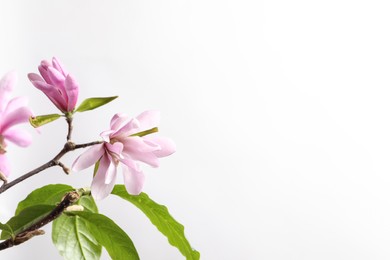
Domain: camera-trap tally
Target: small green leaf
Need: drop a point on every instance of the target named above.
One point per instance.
(108, 234)
(160, 217)
(92, 103)
(8, 232)
(146, 132)
(27, 217)
(88, 203)
(37, 121)
(46, 195)
(72, 237)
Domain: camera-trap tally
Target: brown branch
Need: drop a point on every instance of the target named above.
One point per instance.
(34, 230)
(69, 146)
(8, 185)
(64, 168)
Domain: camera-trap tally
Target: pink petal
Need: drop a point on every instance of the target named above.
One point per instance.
(131, 127)
(117, 120)
(5, 167)
(58, 66)
(34, 77)
(72, 91)
(15, 117)
(88, 158)
(99, 188)
(19, 137)
(43, 71)
(138, 144)
(7, 84)
(106, 135)
(132, 164)
(134, 179)
(16, 103)
(56, 78)
(138, 150)
(115, 148)
(167, 146)
(111, 172)
(149, 119)
(52, 93)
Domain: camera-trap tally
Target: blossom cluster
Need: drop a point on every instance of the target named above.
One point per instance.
(128, 142)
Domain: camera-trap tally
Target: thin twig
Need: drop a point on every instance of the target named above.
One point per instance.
(78, 146)
(34, 229)
(64, 168)
(69, 146)
(8, 185)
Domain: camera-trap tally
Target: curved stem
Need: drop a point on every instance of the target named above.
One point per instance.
(69, 146)
(69, 120)
(8, 185)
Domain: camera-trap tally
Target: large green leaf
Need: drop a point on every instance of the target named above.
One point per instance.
(108, 234)
(72, 236)
(37, 121)
(160, 217)
(26, 218)
(73, 239)
(92, 103)
(8, 232)
(47, 195)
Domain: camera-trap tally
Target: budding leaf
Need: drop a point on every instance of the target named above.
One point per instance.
(8, 232)
(160, 217)
(108, 234)
(37, 121)
(92, 103)
(88, 203)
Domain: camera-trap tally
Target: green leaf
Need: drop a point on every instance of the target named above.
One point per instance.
(46, 195)
(72, 237)
(160, 217)
(92, 103)
(27, 217)
(8, 232)
(37, 121)
(88, 203)
(108, 234)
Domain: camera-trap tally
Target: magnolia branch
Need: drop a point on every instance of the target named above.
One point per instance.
(69, 120)
(69, 146)
(34, 229)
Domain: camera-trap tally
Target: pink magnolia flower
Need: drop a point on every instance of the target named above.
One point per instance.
(126, 144)
(13, 111)
(59, 86)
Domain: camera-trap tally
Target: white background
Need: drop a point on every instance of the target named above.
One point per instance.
(279, 109)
